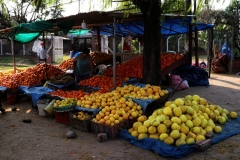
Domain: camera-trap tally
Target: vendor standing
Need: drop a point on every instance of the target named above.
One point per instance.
(83, 66)
(42, 56)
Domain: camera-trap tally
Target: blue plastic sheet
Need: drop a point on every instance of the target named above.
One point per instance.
(35, 92)
(225, 50)
(231, 128)
(143, 102)
(60, 85)
(3, 89)
(94, 111)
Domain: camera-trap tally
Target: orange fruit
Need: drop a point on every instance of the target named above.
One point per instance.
(102, 114)
(107, 122)
(101, 121)
(125, 116)
(113, 111)
(116, 116)
(106, 117)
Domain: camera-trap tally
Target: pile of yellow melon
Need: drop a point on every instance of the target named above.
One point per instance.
(182, 121)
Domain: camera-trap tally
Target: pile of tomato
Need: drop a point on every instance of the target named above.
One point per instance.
(133, 68)
(68, 94)
(105, 83)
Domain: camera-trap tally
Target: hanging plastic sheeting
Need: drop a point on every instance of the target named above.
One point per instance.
(28, 32)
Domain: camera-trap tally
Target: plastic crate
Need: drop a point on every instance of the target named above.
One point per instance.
(111, 131)
(63, 117)
(83, 125)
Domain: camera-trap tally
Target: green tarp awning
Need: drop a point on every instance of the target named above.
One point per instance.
(28, 32)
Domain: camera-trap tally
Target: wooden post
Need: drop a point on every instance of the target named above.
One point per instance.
(210, 51)
(14, 56)
(232, 51)
(190, 45)
(98, 39)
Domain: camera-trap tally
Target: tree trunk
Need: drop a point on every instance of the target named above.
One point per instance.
(151, 54)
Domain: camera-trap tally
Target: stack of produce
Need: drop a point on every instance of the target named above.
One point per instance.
(82, 115)
(98, 57)
(65, 102)
(182, 121)
(31, 76)
(133, 68)
(61, 79)
(68, 94)
(147, 92)
(66, 64)
(98, 100)
(104, 82)
(118, 111)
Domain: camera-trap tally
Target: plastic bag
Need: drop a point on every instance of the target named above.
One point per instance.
(36, 45)
(175, 80)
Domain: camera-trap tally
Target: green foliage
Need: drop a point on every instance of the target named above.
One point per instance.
(24, 11)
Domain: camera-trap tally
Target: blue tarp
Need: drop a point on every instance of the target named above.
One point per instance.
(35, 92)
(94, 111)
(230, 129)
(226, 51)
(169, 27)
(194, 75)
(3, 89)
(60, 85)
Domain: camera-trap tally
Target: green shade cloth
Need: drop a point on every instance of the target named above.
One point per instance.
(79, 31)
(26, 37)
(28, 32)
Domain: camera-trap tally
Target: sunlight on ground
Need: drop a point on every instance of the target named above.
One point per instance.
(29, 110)
(220, 80)
(10, 109)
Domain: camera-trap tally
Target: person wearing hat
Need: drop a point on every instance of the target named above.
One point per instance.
(42, 56)
(83, 66)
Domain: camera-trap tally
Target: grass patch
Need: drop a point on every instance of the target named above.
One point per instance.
(22, 62)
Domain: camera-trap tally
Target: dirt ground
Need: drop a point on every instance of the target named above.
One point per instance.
(45, 139)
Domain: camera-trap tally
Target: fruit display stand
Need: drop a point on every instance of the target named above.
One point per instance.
(173, 66)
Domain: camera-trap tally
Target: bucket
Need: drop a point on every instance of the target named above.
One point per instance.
(49, 108)
(12, 98)
(41, 109)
